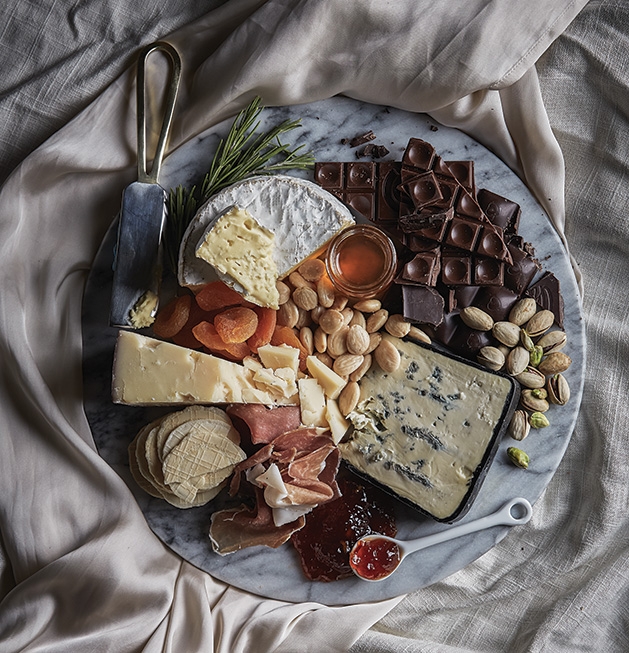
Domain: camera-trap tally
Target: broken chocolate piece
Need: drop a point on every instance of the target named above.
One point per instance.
(456, 270)
(359, 140)
(501, 211)
(424, 268)
(547, 293)
(422, 304)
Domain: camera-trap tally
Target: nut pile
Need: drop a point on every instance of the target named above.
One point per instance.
(528, 349)
(348, 336)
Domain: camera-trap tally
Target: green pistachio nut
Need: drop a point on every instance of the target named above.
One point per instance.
(525, 341)
(518, 457)
(535, 355)
(539, 393)
(538, 420)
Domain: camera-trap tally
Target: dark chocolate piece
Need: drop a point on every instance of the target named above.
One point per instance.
(360, 175)
(547, 293)
(422, 304)
(423, 190)
(426, 224)
(424, 268)
(463, 172)
(488, 272)
(463, 233)
(372, 150)
(461, 297)
(419, 154)
(501, 211)
(360, 140)
(520, 273)
(456, 270)
(497, 301)
(491, 243)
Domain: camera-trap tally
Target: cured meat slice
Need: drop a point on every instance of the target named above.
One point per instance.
(265, 424)
(238, 528)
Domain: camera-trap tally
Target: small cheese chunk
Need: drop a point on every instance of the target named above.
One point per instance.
(312, 403)
(149, 371)
(241, 251)
(337, 423)
(328, 379)
(276, 356)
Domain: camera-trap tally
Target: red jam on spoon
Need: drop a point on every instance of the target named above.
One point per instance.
(375, 558)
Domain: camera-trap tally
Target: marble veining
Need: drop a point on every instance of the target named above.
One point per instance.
(276, 573)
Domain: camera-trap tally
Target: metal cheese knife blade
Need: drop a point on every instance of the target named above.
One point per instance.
(138, 254)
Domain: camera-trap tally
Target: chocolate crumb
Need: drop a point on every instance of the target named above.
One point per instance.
(360, 140)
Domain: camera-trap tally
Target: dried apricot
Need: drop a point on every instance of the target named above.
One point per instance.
(217, 294)
(267, 319)
(283, 335)
(236, 324)
(236, 351)
(172, 317)
(207, 335)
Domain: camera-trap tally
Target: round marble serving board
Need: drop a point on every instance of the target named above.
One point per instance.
(276, 573)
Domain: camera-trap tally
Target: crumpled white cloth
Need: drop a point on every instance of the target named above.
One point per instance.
(88, 573)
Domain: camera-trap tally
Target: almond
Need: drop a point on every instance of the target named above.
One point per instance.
(348, 399)
(345, 364)
(325, 292)
(397, 326)
(305, 297)
(331, 320)
(387, 356)
(377, 320)
(288, 314)
(337, 342)
(312, 269)
(368, 305)
(365, 366)
(357, 339)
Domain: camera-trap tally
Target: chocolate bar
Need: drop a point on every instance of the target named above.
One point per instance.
(547, 293)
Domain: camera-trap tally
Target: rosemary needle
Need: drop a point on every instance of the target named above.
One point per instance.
(243, 153)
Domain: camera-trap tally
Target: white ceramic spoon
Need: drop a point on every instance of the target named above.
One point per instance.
(376, 557)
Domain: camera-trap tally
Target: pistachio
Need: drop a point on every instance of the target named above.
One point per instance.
(531, 378)
(558, 389)
(539, 393)
(552, 341)
(518, 457)
(519, 426)
(506, 333)
(554, 363)
(477, 319)
(491, 357)
(540, 323)
(529, 401)
(538, 420)
(535, 356)
(522, 311)
(526, 340)
(517, 361)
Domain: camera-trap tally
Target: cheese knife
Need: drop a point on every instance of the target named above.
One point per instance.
(138, 253)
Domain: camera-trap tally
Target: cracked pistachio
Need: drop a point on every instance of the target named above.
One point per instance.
(552, 341)
(491, 357)
(519, 426)
(518, 457)
(517, 361)
(526, 341)
(538, 420)
(558, 389)
(539, 393)
(529, 401)
(531, 378)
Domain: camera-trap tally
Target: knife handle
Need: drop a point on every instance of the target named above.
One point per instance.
(143, 174)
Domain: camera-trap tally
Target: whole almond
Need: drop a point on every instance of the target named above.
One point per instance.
(554, 363)
(297, 281)
(377, 320)
(358, 318)
(387, 356)
(477, 319)
(417, 334)
(303, 318)
(340, 302)
(357, 339)
(306, 337)
(374, 341)
(288, 314)
(522, 311)
(331, 320)
(540, 323)
(397, 325)
(312, 269)
(283, 290)
(305, 297)
(316, 313)
(348, 399)
(325, 292)
(517, 361)
(368, 305)
(506, 333)
(345, 364)
(348, 314)
(320, 340)
(359, 372)
(325, 358)
(337, 342)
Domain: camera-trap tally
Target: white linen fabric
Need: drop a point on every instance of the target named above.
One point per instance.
(79, 568)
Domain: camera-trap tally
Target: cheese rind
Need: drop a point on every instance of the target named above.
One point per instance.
(151, 372)
(302, 215)
(427, 430)
(241, 251)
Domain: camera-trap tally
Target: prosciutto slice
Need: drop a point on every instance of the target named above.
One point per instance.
(265, 424)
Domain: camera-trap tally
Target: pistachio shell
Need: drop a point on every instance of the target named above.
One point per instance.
(506, 333)
(529, 401)
(475, 318)
(554, 363)
(540, 323)
(519, 426)
(491, 357)
(525, 340)
(522, 311)
(531, 378)
(558, 389)
(552, 341)
(535, 355)
(517, 361)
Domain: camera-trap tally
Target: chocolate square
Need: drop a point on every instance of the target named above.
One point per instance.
(363, 202)
(423, 190)
(360, 175)
(419, 154)
(463, 172)
(463, 233)
(423, 268)
(491, 243)
(329, 174)
(547, 293)
(387, 193)
(488, 272)
(456, 269)
(499, 210)
(520, 273)
(422, 304)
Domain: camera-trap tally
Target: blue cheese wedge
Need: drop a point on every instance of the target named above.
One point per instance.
(428, 431)
(302, 216)
(151, 372)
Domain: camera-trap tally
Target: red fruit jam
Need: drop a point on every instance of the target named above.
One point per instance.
(375, 559)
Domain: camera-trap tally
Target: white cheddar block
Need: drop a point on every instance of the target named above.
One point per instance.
(148, 371)
(337, 423)
(328, 379)
(277, 356)
(302, 216)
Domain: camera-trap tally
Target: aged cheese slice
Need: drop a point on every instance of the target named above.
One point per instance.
(148, 371)
(301, 214)
(328, 379)
(427, 430)
(312, 403)
(241, 251)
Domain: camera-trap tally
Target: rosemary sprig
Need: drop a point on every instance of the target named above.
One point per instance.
(243, 153)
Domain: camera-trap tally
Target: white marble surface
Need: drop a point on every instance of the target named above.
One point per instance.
(276, 573)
